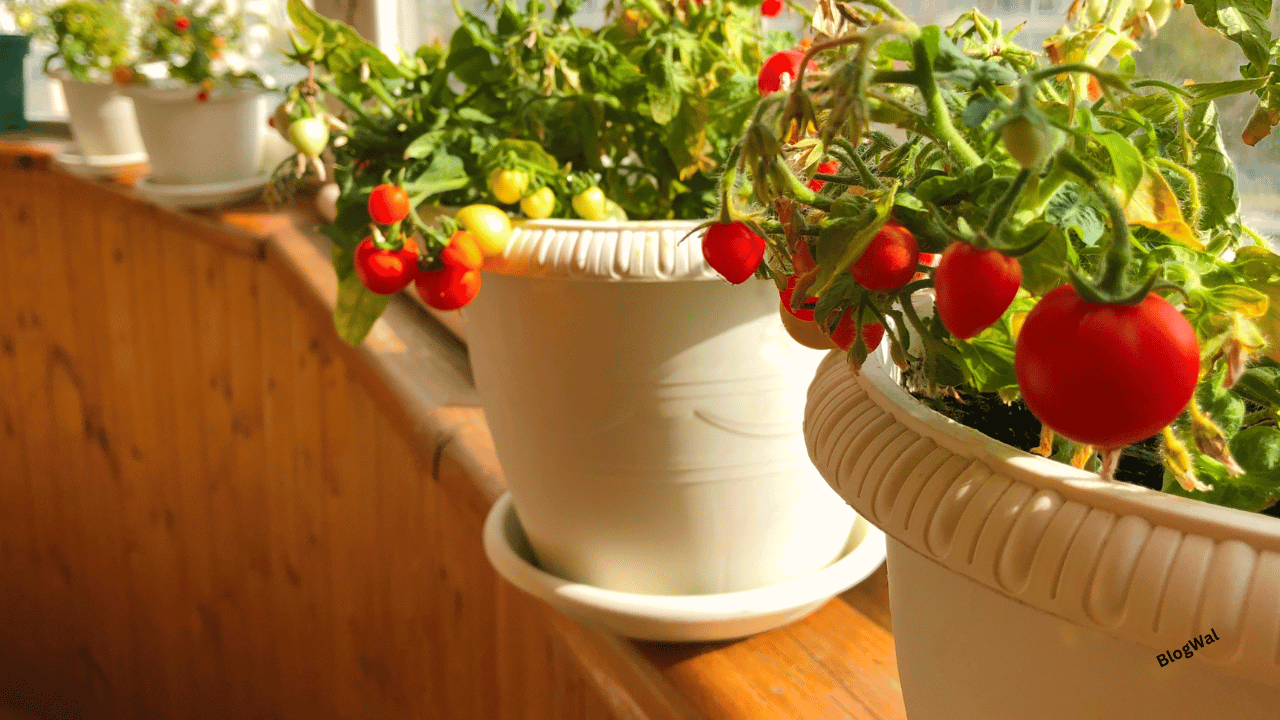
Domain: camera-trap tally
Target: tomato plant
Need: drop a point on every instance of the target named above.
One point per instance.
(388, 204)
(732, 250)
(974, 287)
(462, 252)
(1106, 375)
(386, 272)
(771, 8)
(889, 262)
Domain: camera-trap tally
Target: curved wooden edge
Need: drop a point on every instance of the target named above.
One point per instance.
(837, 663)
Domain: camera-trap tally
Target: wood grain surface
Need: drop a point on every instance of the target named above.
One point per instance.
(211, 507)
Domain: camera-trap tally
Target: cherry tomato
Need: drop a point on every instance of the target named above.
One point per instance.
(488, 226)
(508, 186)
(787, 293)
(771, 8)
(388, 204)
(539, 205)
(1106, 375)
(182, 23)
(448, 289)
(308, 135)
(732, 250)
(1026, 143)
(974, 287)
(462, 252)
(122, 75)
(589, 204)
(843, 335)
(782, 63)
(386, 272)
(889, 262)
(826, 168)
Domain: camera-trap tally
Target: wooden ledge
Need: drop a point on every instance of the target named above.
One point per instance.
(837, 663)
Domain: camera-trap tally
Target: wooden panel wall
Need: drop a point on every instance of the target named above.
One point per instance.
(206, 513)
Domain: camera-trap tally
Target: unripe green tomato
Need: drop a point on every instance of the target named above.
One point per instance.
(589, 204)
(539, 205)
(508, 186)
(1025, 143)
(309, 136)
(613, 211)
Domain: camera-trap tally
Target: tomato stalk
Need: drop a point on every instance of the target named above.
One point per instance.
(845, 150)
(1001, 211)
(799, 190)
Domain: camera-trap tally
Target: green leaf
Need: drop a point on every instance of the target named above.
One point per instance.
(1261, 385)
(424, 145)
(1126, 161)
(1253, 491)
(1070, 210)
(357, 308)
(1205, 92)
(1219, 195)
(979, 107)
(446, 172)
(664, 96)
(1224, 407)
(1244, 22)
(1043, 269)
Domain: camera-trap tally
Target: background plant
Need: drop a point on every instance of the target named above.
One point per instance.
(91, 37)
(197, 42)
(1091, 175)
(646, 108)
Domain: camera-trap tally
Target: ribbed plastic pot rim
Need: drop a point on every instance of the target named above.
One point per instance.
(679, 618)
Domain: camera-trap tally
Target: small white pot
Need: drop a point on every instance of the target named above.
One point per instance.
(1024, 588)
(190, 142)
(103, 123)
(647, 414)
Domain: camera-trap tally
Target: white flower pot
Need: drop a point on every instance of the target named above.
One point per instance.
(647, 414)
(190, 142)
(103, 123)
(1024, 588)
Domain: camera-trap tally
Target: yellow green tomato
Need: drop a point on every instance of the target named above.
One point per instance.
(1026, 143)
(590, 204)
(508, 186)
(539, 205)
(613, 211)
(488, 226)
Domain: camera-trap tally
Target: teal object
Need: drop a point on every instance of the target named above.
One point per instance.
(13, 53)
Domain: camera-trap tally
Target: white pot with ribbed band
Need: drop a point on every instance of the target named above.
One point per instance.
(647, 414)
(1024, 588)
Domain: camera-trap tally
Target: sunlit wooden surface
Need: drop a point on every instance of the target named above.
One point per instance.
(210, 507)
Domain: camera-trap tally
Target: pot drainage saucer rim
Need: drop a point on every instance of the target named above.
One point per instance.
(97, 165)
(202, 195)
(679, 618)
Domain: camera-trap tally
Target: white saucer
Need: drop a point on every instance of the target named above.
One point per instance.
(202, 196)
(679, 618)
(96, 165)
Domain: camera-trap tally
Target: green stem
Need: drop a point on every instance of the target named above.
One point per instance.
(1115, 262)
(1193, 188)
(896, 77)
(1257, 239)
(652, 8)
(939, 117)
(1003, 207)
(800, 191)
(380, 91)
(888, 9)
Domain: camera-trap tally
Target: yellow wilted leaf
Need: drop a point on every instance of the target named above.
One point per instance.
(1153, 205)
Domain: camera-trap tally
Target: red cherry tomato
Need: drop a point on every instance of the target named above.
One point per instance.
(732, 250)
(782, 63)
(386, 272)
(974, 287)
(787, 293)
(889, 262)
(182, 23)
(448, 289)
(843, 335)
(462, 252)
(826, 168)
(771, 8)
(388, 204)
(1106, 375)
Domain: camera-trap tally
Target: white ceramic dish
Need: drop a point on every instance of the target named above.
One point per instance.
(96, 166)
(201, 196)
(679, 618)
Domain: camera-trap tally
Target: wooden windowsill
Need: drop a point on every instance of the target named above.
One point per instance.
(837, 663)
